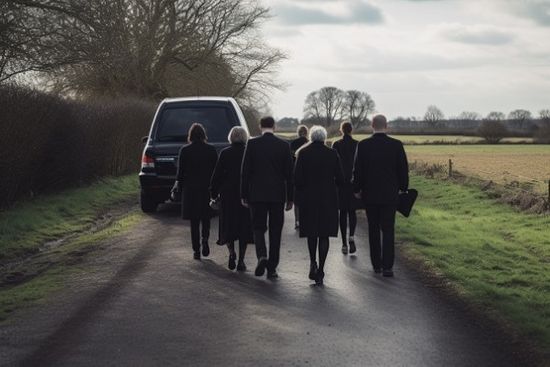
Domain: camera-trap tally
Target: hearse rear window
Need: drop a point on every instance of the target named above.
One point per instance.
(175, 122)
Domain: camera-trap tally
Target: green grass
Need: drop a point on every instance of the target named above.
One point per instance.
(28, 225)
(66, 263)
(496, 257)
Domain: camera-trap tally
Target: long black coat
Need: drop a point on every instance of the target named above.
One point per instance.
(346, 150)
(267, 170)
(235, 223)
(317, 175)
(196, 164)
(380, 170)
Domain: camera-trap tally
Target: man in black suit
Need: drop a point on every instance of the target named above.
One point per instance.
(380, 171)
(266, 184)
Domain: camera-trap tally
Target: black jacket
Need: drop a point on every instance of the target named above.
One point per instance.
(266, 174)
(234, 218)
(380, 170)
(318, 174)
(346, 148)
(195, 167)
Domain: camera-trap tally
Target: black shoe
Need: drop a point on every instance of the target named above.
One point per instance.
(232, 264)
(377, 270)
(345, 249)
(272, 274)
(205, 248)
(241, 266)
(352, 247)
(260, 268)
(313, 271)
(387, 273)
(197, 255)
(319, 278)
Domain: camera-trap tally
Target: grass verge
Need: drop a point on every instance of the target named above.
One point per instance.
(54, 268)
(28, 225)
(497, 258)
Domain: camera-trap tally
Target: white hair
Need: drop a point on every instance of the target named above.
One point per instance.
(237, 135)
(317, 133)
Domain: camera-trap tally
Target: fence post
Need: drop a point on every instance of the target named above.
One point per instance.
(450, 168)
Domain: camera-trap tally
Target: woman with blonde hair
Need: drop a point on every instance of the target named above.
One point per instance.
(317, 176)
(235, 223)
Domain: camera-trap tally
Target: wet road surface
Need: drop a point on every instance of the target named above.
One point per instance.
(145, 302)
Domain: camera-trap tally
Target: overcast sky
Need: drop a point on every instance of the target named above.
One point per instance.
(461, 55)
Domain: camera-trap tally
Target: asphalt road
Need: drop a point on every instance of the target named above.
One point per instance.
(143, 301)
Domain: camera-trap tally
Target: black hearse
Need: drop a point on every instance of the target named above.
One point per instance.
(168, 134)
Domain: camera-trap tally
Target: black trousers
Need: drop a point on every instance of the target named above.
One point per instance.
(264, 216)
(197, 232)
(381, 235)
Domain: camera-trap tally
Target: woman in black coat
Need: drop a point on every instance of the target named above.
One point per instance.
(317, 175)
(196, 164)
(348, 202)
(235, 223)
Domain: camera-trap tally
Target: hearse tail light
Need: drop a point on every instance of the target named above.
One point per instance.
(147, 162)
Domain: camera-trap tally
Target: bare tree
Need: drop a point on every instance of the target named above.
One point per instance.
(520, 117)
(357, 106)
(135, 46)
(433, 115)
(313, 108)
(325, 105)
(495, 116)
(544, 115)
(332, 101)
(469, 115)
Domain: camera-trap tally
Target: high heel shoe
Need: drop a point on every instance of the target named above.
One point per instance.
(352, 247)
(319, 278)
(241, 266)
(313, 271)
(232, 264)
(344, 249)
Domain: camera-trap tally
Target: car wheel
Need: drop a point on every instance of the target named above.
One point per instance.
(148, 205)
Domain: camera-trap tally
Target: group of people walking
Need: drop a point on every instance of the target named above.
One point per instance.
(254, 181)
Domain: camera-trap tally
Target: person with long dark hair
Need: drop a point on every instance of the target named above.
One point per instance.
(196, 164)
(348, 203)
(317, 176)
(235, 223)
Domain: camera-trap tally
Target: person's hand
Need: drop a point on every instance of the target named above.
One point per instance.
(357, 195)
(244, 203)
(289, 205)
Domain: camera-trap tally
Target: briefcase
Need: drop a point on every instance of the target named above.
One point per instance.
(406, 202)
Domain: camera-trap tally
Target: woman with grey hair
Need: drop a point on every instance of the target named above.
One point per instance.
(235, 223)
(317, 176)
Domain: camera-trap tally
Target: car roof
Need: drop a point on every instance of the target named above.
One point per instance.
(198, 98)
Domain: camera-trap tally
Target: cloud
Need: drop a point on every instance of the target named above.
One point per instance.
(355, 11)
(476, 34)
(536, 10)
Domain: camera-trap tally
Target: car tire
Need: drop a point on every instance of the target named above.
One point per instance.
(148, 205)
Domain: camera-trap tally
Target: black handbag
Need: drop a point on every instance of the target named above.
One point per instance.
(406, 202)
(175, 193)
